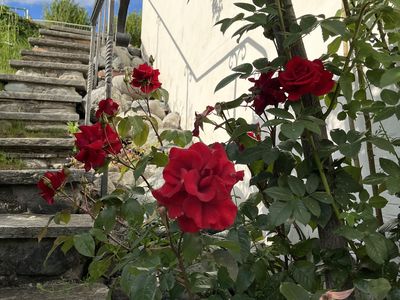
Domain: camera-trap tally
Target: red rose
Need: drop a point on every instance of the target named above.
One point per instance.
(198, 123)
(302, 76)
(145, 78)
(94, 143)
(107, 106)
(50, 183)
(267, 91)
(197, 188)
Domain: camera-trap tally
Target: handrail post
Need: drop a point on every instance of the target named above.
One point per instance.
(90, 75)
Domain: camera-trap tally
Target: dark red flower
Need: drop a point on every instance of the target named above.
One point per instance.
(50, 183)
(302, 76)
(107, 106)
(94, 142)
(197, 188)
(267, 91)
(198, 123)
(145, 78)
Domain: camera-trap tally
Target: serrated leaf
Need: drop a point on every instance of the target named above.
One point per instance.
(140, 167)
(293, 291)
(312, 183)
(140, 130)
(292, 130)
(124, 127)
(375, 245)
(322, 197)
(84, 244)
(98, 268)
(391, 76)
(313, 206)
(333, 46)
(245, 68)
(224, 82)
(279, 193)
(378, 202)
(373, 179)
(281, 113)
(279, 212)
(261, 63)
(106, 218)
(383, 144)
(390, 97)
(224, 258)
(296, 185)
(245, 6)
(192, 246)
(132, 212)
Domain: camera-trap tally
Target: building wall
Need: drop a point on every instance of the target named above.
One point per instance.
(193, 55)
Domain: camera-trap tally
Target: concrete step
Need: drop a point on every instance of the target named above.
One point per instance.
(69, 29)
(33, 144)
(79, 85)
(39, 97)
(64, 35)
(23, 257)
(63, 46)
(51, 56)
(56, 291)
(26, 64)
(47, 117)
(29, 177)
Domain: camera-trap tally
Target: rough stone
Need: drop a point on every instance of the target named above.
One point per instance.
(70, 29)
(13, 105)
(119, 83)
(53, 117)
(157, 109)
(48, 65)
(39, 97)
(56, 291)
(78, 84)
(35, 88)
(71, 47)
(64, 35)
(99, 94)
(68, 57)
(71, 75)
(172, 120)
(134, 51)
(136, 61)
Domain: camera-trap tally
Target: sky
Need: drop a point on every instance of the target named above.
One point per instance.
(36, 7)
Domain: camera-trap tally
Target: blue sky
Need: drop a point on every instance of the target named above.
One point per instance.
(36, 6)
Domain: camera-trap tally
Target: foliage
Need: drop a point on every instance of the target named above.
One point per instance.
(134, 27)
(14, 34)
(66, 11)
(305, 179)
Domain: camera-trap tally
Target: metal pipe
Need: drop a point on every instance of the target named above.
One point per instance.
(108, 76)
(90, 76)
(98, 46)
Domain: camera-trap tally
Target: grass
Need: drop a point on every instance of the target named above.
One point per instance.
(8, 163)
(17, 129)
(14, 34)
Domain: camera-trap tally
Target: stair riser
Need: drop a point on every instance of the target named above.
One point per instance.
(22, 261)
(66, 39)
(51, 59)
(39, 88)
(51, 73)
(7, 105)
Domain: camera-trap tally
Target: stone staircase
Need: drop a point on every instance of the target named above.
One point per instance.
(36, 104)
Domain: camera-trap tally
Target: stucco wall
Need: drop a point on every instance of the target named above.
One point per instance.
(193, 56)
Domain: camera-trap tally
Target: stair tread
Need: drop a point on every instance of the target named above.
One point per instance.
(31, 225)
(78, 84)
(39, 97)
(69, 29)
(64, 34)
(72, 56)
(51, 117)
(32, 176)
(48, 65)
(38, 142)
(58, 44)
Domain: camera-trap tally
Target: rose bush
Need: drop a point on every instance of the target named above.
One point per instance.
(313, 226)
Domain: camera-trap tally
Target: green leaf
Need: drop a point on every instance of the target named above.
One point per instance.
(84, 244)
(378, 201)
(375, 245)
(350, 150)
(98, 234)
(313, 206)
(139, 285)
(132, 212)
(98, 268)
(292, 130)
(124, 126)
(281, 113)
(243, 68)
(304, 274)
(224, 82)
(300, 213)
(312, 183)
(392, 184)
(244, 242)
(297, 186)
(379, 288)
(245, 6)
(192, 246)
(345, 82)
(259, 19)
(293, 291)
(261, 63)
(333, 47)
(279, 212)
(390, 76)
(384, 113)
(390, 97)
(377, 178)
(322, 197)
(374, 76)
(62, 216)
(244, 279)
(106, 218)
(225, 259)
(383, 144)
(159, 159)
(279, 193)
(140, 167)
(389, 167)
(140, 130)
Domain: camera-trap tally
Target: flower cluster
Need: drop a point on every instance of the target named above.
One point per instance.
(145, 78)
(50, 183)
(94, 142)
(300, 77)
(197, 188)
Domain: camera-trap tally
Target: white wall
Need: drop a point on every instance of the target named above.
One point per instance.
(193, 55)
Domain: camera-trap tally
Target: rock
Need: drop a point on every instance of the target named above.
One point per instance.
(136, 61)
(139, 105)
(121, 57)
(157, 109)
(172, 120)
(99, 94)
(119, 83)
(110, 184)
(134, 51)
(33, 88)
(72, 75)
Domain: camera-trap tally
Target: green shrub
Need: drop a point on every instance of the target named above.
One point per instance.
(133, 27)
(66, 11)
